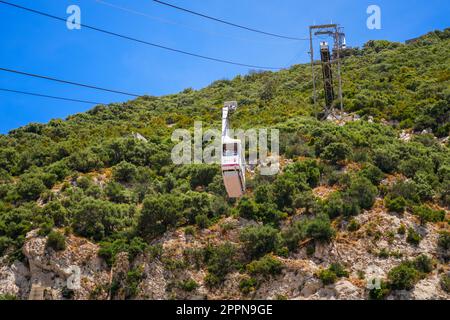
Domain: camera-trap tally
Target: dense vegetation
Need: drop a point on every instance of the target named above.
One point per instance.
(50, 174)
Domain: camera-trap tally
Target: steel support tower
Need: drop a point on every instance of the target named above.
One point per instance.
(328, 60)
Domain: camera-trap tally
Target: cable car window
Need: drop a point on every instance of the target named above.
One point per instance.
(230, 149)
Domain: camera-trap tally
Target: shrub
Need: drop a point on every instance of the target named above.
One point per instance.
(426, 214)
(109, 250)
(247, 285)
(445, 282)
(363, 191)
(413, 237)
(124, 172)
(158, 214)
(259, 240)
(56, 241)
(386, 159)
(336, 152)
(283, 191)
(423, 264)
(117, 193)
(401, 230)
(373, 173)
(330, 275)
(85, 161)
(132, 281)
(403, 277)
(202, 221)
(327, 276)
(7, 296)
(97, 218)
(444, 240)
(30, 187)
(265, 267)
(189, 230)
(188, 285)
(381, 292)
(247, 208)
(320, 229)
(263, 193)
(353, 225)
(397, 204)
(339, 270)
(220, 260)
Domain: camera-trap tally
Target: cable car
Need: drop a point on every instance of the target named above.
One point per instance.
(232, 160)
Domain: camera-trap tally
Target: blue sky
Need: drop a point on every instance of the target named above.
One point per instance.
(40, 45)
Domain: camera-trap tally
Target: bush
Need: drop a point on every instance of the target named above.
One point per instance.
(413, 237)
(56, 241)
(423, 264)
(426, 214)
(85, 161)
(444, 240)
(386, 159)
(339, 270)
(30, 188)
(97, 219)
(330, 275)
(202, 221)
(247, 285)
(158, 214)
(327, 276)
(403, 277)
(124, 172)
(363, 191)
(265, 267)
(117, 193)
(220, 260)
(353, 225)
(320, 229)
(381, 292)
(259, 240)
(336, 152)
(188, 285)
(401, 230)
(397, 204)
(445, 282)
(247, 208)
(373, 173)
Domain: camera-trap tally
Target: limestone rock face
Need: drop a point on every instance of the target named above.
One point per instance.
(74, 273)
(161, 276)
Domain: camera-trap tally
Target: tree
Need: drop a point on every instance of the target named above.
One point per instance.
(320, 229)
(85, 161)
(158, 214)
(386, 158)
(220, 260)
(30, 187)
(363, 191)
(336, 152)
(259, 240)
(117, 193)
(97, 219)
(247, 208)
(124, 172)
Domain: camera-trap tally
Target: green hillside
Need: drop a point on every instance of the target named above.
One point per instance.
(87, 175)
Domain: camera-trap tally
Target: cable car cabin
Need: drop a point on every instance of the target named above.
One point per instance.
(233, 167)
